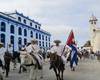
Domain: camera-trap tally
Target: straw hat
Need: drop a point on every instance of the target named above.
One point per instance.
(57, 41)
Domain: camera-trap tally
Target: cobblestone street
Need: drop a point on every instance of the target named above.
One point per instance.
(86, 70)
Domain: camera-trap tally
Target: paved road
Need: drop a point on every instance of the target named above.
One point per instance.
(86, 70)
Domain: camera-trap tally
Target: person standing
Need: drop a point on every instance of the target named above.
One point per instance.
(73, 57)
(7, 59)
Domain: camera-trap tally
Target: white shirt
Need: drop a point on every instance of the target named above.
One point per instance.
(2, 52)
(58, 49)
(35, 48)
(10, 49)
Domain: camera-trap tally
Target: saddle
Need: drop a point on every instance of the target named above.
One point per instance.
(38, 65)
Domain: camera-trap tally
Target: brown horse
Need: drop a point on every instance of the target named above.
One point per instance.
(57, 65)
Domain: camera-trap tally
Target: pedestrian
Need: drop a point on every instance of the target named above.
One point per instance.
(7, 59)
(73, 56)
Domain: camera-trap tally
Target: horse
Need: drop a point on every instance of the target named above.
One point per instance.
(15, 58)
(28, 60)
(57, 65)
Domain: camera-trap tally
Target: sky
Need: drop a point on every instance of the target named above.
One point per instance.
(58, 16)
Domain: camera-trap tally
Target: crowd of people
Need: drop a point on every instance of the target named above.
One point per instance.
(66, 53)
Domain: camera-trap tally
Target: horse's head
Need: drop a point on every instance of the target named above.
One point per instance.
(52, 56)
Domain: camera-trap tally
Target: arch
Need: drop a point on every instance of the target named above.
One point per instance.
(12, 41)
(46, 38)
(20, 31)
(31, 34)
(25, 32)
(19, 43)
(36, 35)
(25, 41)
(42, 37)
(3, 26)
(19, 19)
(3, 39)
(39, 36)
(12, 29)
(24, 21)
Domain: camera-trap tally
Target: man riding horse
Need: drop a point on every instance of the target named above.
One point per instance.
(33, 59)
(33, 49)
(58, 53)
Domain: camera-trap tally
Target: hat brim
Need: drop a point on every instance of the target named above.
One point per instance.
(57, 41)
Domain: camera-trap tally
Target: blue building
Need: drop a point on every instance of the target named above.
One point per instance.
(17, 29)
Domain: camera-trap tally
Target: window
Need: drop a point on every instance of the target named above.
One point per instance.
(24, 21)
(3, 26)
(12, 39)
(39, 36)
(46, 44)
(12, 29)
(43, 44)
(3, 39)
(30, 24)
(20, 31)
(19, 19)
(19, 40)
(46, 38)
(25, 41)
(42, 37)
(19, 43)
(39, 43)
(49, 38)
(31, 34)
(39, 27)
(36, 26)
(25, 32)
(49, 44)
(36, 35)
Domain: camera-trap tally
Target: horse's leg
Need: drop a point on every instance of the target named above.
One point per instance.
(59, 75)
(62, 71)
(41, 71)
(31, 73)
(20, 68)
(7, 69)
(56, 73)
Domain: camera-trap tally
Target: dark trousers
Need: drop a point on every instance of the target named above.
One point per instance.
(7, 68)
(72, 61)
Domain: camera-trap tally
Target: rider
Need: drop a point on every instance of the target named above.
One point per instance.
(34, 49)
(60, 50)
(10, 49)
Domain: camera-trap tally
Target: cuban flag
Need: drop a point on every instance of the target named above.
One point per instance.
(73, 54)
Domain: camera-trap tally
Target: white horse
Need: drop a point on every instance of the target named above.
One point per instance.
(31, 62)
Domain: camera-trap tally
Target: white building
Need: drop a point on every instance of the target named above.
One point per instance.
(17, 29)
(95, 34)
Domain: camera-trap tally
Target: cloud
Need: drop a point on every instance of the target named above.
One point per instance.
(58, 16)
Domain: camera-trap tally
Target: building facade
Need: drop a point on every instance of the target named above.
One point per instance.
(18, 30)
(95, 34)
